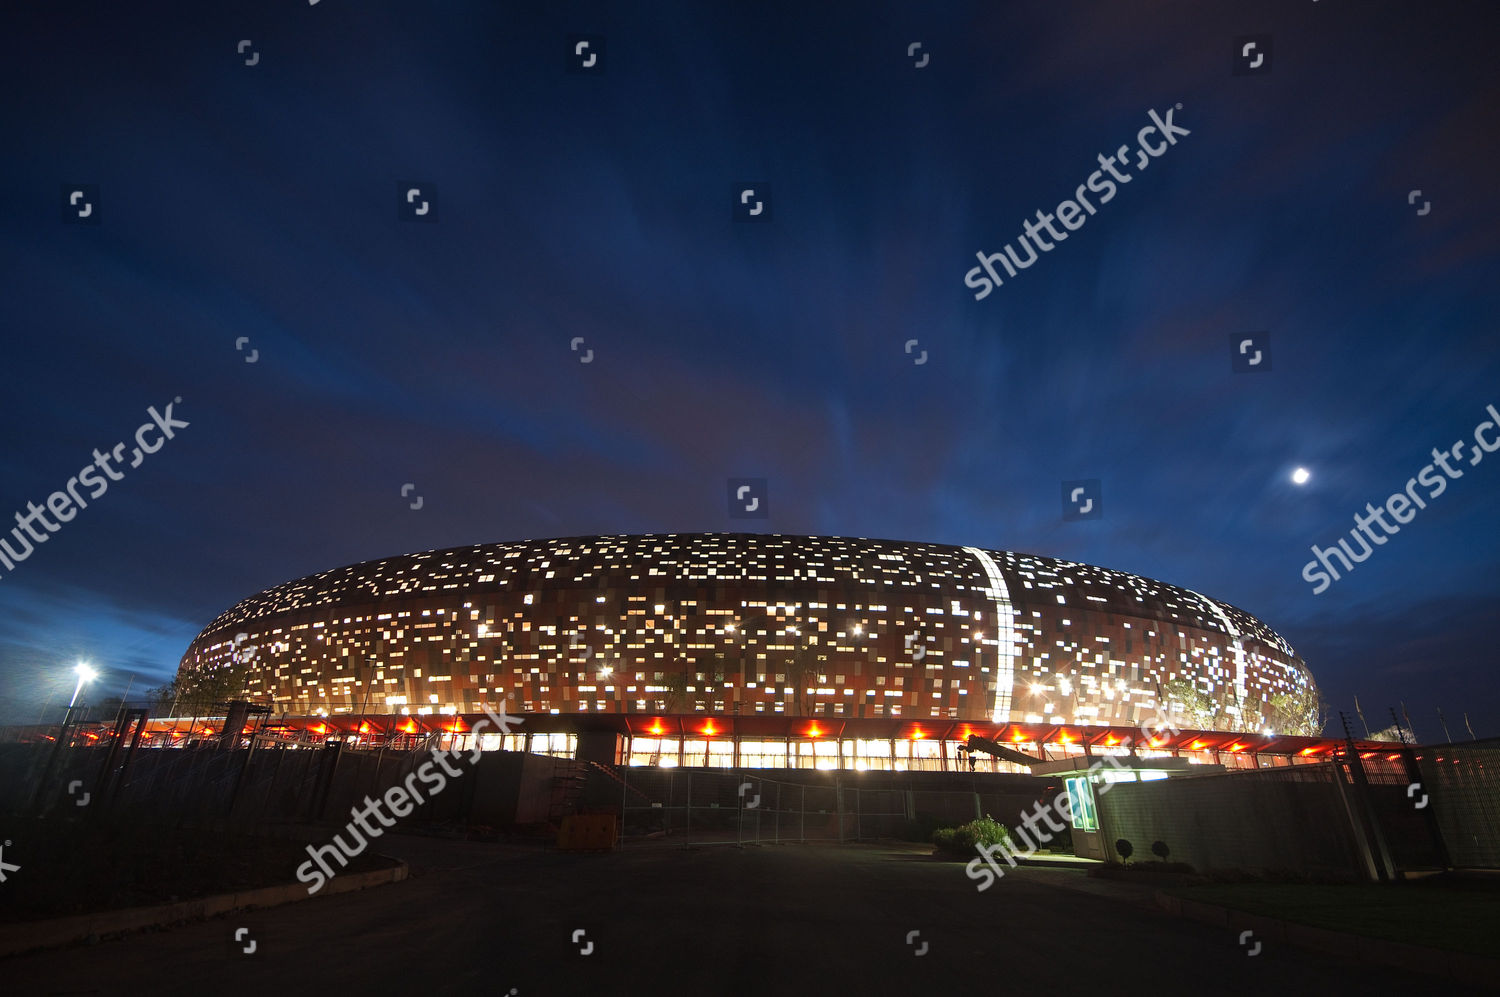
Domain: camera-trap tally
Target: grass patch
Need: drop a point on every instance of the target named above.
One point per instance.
(1159, 872)
(1459, 916)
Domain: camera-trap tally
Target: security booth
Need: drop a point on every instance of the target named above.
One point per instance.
(1083, 777)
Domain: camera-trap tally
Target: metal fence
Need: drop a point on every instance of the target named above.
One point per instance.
(701, 806)
(1462, 782)
(266, 785)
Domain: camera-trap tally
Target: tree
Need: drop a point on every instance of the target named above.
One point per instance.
(1395, 732)
(1194, 708)
(197, 691)
(799, 668)
(676, 684)
(160, 699)
(1303, 712)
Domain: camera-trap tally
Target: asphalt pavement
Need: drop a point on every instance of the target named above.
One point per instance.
(662, 920)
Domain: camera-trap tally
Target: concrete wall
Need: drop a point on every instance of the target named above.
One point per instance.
(1271, 820)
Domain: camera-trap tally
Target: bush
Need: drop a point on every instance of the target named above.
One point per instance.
(964, 841)
(988, 831)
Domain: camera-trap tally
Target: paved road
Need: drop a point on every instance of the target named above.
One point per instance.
(483, 919)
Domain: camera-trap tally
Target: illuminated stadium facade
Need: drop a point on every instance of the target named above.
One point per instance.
(751, 628)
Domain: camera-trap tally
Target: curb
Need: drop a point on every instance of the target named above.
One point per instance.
(16, 939)
(1460, 966)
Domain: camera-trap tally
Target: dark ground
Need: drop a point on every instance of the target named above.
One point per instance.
(91, 865)
(1460, 914)
(487, 919)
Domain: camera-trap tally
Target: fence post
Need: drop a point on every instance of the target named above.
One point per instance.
(1434, 829)
(757, 815)
(688, 827)
(1364, 850)
(802, 810)
(1385, 869)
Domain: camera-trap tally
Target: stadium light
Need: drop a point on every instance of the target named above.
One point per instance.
(85, 674)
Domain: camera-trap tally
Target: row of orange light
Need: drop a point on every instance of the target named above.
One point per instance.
(410, 727)
(709, 729)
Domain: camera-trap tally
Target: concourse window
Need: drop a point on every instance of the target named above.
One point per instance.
(763, 754)
(873, 754)
(921, 755)
(650, 750)
(695, 753)
(557, 745)
(720, 754)
(816, 754)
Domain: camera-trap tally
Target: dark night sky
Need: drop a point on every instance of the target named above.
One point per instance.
(261, 201)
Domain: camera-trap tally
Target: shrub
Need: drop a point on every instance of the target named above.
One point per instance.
(988, 831)
(965, 840)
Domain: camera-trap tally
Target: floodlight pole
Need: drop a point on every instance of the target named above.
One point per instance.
(84, 674)
(76, 690)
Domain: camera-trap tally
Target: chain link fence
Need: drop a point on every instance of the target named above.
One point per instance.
(1463, 783)
(697, 806)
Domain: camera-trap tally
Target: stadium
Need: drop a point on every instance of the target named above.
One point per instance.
(752, 650)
